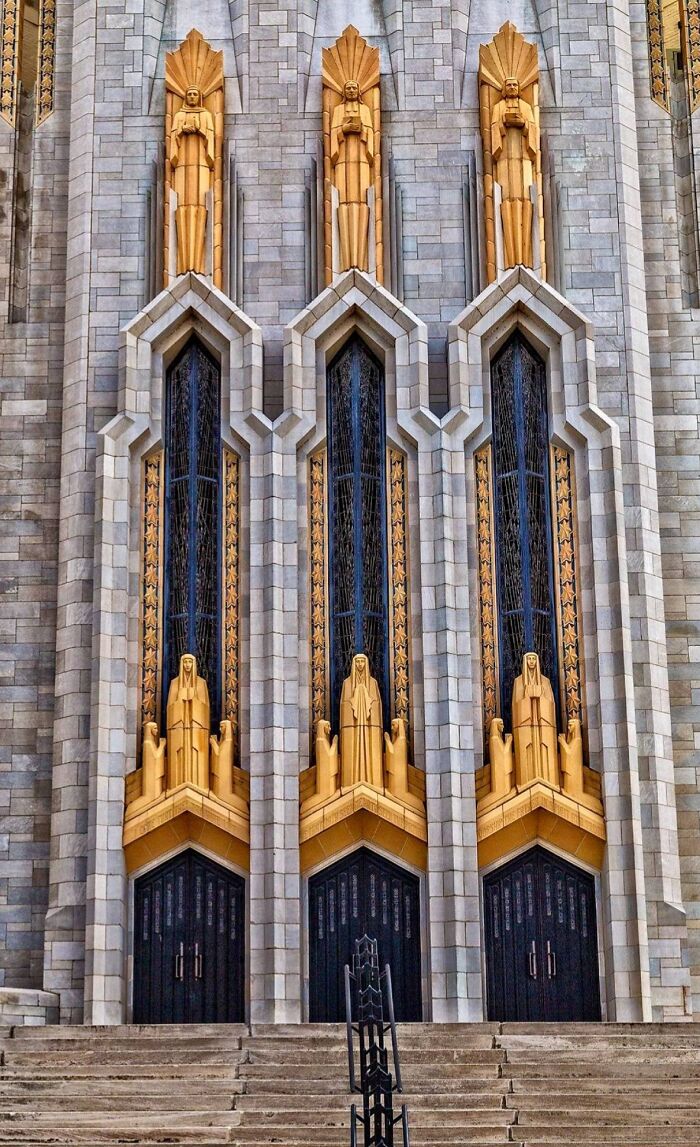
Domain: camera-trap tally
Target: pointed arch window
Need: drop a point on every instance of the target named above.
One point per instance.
(357, 518)
(192, 520)
(522, 513)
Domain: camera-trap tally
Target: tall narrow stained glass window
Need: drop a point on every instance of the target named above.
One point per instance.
(522, 513)
(357, 517)
(192, 621)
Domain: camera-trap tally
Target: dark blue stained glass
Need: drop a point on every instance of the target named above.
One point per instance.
(192, 520)
(357, 518)
(523, 524)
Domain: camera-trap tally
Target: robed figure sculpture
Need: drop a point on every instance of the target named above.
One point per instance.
(361, 727)
(188, 727)
(352, 160)
(534, 720)
(194, 80)
(509, 108)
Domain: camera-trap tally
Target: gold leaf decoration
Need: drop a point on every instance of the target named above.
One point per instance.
(564, 502)
(151, 588)
(317, 542)
(399, 585)
(489, 683)
(9, 59)
(46, 61)
(232, 592)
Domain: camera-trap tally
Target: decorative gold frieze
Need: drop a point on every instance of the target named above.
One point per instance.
(399, 584)
(510, 131)
(567, 596)
(46, 61)
(319, 637)
(151, 588)
(352, 155)
(194, 127)
(231, 591)
(691, 31)
(487, 599)
(9, 58)
(657, 55)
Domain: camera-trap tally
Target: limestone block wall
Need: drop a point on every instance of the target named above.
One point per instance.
(674, 333)
(603, 139)
(31, 366)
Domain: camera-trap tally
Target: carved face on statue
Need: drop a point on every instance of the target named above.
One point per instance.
(351, 91)
(193, 98)
(511, 88)
(187, 665)
(361, 665)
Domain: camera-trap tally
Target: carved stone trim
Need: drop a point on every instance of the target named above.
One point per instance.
(657, 55)
(487, 581)
(151, 588)
(231, 592)
(566, 584)
(9, 59)
(317, 561)
(46, 61)
(400, 652)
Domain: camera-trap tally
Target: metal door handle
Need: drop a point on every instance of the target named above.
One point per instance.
(551, 961)
(532, 960)
(180, 963)
(198, 962)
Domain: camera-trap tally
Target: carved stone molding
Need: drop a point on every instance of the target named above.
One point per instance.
(9, 59)
(46, 61)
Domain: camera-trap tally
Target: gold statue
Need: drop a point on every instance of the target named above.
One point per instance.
(571, 757)
(396, 758)
(534, 726)
(222, 775)
(500, 759)
(188, 726)
(352, 160)
(509, 100)
(152, 763)
(361, 727)
(194, 79)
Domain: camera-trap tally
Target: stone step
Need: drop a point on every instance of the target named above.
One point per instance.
(339, 1058)
(134, 1032)
(330, 1071)
(276, 1102)
(75, 1056)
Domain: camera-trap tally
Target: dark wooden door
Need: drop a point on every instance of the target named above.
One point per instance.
(541, 942)
(189, 943)
(363, 893)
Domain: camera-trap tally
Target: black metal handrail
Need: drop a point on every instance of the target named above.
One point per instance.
(376, 1085)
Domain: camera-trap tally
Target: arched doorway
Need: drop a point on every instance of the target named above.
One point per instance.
(363, 893)
(541, 941)
(189, 943)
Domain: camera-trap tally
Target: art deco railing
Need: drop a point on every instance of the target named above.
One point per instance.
(373, 1001)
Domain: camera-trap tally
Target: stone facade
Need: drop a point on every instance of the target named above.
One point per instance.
(81, 371)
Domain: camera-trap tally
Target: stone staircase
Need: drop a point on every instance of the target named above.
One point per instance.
(476, 1084)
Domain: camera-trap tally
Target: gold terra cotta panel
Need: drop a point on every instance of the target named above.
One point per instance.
(151, 573)
(399, 584)
(487, 584)
(318, 548)
(232, 593)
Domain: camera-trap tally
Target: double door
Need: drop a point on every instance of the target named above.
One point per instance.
(189, 943)
(363, 894)
(541, 942)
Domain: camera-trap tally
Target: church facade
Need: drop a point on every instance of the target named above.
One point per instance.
(351, 476)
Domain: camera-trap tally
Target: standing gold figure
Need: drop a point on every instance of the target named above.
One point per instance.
(510, 133)
(188, 727)
(534, 726)
(361, 727)
(194, 128)
(352, 154)
(192, 160)
(514, 146)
